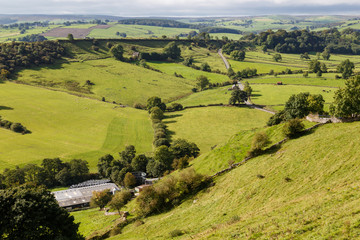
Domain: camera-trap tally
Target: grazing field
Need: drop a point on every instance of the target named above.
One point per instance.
(261, 67)
(138, 31)
(6, 34)
(66, 126)
(115, 80)
(210, 96)
(187, 72)
(213, 125)
(276, 95)
(327, 80)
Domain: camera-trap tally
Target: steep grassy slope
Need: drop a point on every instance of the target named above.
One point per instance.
(310, 190)
(116, 81)
(66, 126)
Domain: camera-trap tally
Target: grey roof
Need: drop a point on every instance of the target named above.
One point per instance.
(76, 196)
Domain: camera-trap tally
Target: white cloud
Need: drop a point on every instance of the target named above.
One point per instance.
(178, 7)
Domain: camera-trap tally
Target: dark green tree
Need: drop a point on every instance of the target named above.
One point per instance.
(128, 154)
(202, 82)
(139, 163)
(238, 55)
(117, 51)
(101, 199)
(238, 96)
(315, 66)
(346, 68)
(293, 128)
(32, 213)
(277, 57)
(205, 67)
(70, 37)
(172, 50)
(155, 102)
(156, 113)
(347, 99)
(326, 54)
(120, 199)
(181, 148)
(164, 156)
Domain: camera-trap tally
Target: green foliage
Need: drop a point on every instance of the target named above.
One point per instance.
(188, 61)
(347, 99)
(181, 148)
(128, 154)
(169, 192)
(117, 51)
(260, 140)
(172, 50)
(326, 55)
(32, 213)
(101, 198)
(300, 105)
(247, 88)
(238, 96)
(205, 67)
(155, 102)
(202, 82)
(129, 180)
(277, 57)
(277, 118)
(156, 113)
(164, 156)
(120, 199)
(70, 37)
(346, 68)
(293, 128)
(304, 56)
(238, 55)
(139, 163)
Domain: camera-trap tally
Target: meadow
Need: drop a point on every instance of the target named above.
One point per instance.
(67, 126)
(114, 80)
(210, 126)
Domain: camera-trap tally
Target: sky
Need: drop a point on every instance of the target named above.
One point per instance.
(148, 8)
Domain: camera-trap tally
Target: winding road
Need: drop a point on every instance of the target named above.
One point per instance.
(227, 65)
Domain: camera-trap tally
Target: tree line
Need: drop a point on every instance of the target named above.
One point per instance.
(51, 172)
(25, 54)
(300, 41)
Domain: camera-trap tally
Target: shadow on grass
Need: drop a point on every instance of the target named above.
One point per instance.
(172, 116)
(6, 108)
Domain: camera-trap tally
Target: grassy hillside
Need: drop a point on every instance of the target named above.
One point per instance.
(66, 126)
(116, 81)
(309, 191)
(211, 126)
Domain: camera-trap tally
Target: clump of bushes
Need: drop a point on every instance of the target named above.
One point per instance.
(15, 127)
(169, 192)
(293, 128)
(259, 142)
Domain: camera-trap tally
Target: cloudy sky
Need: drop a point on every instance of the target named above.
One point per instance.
(180, 7)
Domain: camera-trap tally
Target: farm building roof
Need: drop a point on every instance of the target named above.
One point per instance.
(81, 196)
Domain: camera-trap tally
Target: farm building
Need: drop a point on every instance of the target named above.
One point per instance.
(80, 197)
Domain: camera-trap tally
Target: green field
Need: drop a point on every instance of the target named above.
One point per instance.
(327, 80)
(187, 72)
(66, 126)
(213, 125)
(320, 201)
(6, 34)
(116, 81)
(272, 95)
(210, 96)
(138, 31)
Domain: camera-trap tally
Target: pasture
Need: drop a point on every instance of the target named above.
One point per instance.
(67, 126)
(211, 126)
(115, 80)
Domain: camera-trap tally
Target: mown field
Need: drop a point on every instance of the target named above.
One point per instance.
(67, 126)
(211, 126)
(318, 200)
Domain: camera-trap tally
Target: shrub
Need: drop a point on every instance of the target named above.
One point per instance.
(293, 128)
(139, 106)
(259, 141)
(156, 113)
(175, 233)
(17, 127)
(161, 141)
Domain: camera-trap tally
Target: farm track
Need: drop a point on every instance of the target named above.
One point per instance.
(227, 65)
(76, 32)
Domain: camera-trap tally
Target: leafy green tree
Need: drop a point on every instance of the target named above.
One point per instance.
(172, 50)
(104, 163)
(120, 199)
(326, 54)
(14, 177)
(128, 154)
(64, 177)
(181, 148)
(238, 55)
(277, 57)
(155, 102)
(156, 113)
(139, 163)
(346, 68)
(347, 99)
(32, 213)
(101, 198)
(260, 141)
(188, 61)
(247, 88)
(52, 167)
(202, 82)
(323, 68)
(155, 168)
(304, 56)
(164, 155)
(70, 37)
(117, 51)
(293, 128)
(205, 67)
(315, 66)
(238, 96)
(129, 180)
(78, 169)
